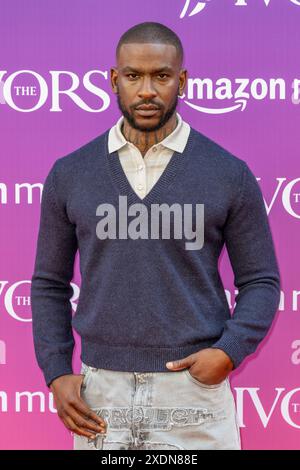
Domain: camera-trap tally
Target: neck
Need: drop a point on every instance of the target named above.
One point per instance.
(144, 140)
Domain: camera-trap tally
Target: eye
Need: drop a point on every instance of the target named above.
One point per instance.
(131, 74)
(160, 75)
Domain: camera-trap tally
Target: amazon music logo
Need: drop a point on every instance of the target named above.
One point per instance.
(234, 93)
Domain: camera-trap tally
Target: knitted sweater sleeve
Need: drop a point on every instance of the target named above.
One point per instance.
(251, 252)
(50, 285)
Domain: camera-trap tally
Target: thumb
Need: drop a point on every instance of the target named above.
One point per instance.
(181, 363)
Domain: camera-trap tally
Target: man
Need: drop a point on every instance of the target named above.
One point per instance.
(150, 204)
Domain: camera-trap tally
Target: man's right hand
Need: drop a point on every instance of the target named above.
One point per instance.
(72, 409)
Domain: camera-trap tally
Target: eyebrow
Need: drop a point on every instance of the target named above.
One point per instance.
(161, 69)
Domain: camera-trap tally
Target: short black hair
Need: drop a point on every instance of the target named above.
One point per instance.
(151, 32)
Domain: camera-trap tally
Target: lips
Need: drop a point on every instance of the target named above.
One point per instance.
(147, 110)
(148, 107)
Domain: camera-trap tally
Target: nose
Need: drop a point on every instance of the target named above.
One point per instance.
(147, 92)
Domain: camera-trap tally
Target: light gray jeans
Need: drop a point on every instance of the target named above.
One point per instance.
(159, 410)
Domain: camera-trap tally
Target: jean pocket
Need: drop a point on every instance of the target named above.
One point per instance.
(85, 370)
(201, 384)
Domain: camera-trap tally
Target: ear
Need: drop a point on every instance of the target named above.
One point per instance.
(182, 81)
(113, 79)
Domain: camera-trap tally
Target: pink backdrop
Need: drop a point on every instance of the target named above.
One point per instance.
(247, 53)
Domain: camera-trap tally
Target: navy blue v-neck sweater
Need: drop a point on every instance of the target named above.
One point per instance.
(147, 300)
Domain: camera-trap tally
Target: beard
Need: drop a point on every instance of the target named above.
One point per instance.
(129, 115)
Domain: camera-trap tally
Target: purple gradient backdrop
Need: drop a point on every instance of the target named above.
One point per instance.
(222, 41)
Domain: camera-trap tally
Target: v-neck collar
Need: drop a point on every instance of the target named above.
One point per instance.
(166, 179)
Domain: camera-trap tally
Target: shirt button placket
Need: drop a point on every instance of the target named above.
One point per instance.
(141, 179)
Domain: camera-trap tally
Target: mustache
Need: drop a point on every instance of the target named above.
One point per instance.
(146, 104)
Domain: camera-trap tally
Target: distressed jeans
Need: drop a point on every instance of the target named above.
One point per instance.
(159, 410)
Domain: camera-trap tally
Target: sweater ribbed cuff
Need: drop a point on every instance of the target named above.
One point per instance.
(232, 347)
(59, 364)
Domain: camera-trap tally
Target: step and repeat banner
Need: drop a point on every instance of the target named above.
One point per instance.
(243, 91)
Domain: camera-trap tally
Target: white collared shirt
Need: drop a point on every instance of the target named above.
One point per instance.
(143, 172)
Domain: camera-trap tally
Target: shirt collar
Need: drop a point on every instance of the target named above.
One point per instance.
(175, 141)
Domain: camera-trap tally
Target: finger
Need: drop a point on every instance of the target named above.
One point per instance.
(81, 406)
(181, 363)
(69, 423)
(84, 409)
(82, 422)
